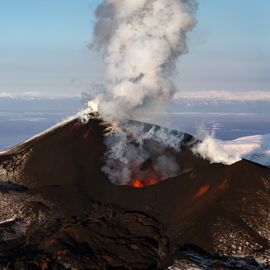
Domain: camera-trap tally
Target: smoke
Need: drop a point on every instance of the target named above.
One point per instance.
(131, 146)
(141, 41)
(166, 166)
(213, 149)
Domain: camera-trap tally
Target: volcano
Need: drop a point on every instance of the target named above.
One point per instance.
(59, 210)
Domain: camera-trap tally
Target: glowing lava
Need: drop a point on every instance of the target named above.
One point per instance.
(201, 191)
(223, 185)
(137, 183)
(86, 134)
(144, 180)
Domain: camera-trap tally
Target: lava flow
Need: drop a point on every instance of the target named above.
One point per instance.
(86, 134)
(144, 180)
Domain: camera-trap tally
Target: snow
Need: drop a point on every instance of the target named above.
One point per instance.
(254, 148)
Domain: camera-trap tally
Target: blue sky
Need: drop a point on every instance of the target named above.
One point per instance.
(43, 47)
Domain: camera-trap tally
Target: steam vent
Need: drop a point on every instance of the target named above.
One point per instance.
(59, 210)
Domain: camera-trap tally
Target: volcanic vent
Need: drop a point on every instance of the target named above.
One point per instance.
(141, 154)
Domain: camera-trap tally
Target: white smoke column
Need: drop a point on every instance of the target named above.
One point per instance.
(141, 41)
(213, 149)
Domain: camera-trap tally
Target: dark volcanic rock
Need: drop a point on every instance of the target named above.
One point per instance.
(107, 240)
(59, 211)
(192, 257)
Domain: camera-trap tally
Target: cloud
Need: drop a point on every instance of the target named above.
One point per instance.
(31, 94)
(5, 94)
(35, 95)
(213, 95)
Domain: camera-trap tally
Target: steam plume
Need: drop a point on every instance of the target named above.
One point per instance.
(141, 41)
(213, 150)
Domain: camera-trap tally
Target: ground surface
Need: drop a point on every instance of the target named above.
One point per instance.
(59, 211)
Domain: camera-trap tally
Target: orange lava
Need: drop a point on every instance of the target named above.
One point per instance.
(86, 134)
(201, 191)
(223, 185)
(144, 180)
(192, 175)
(44, 266)
(137, 183)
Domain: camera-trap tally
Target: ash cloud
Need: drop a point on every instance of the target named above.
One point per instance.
(141, 41)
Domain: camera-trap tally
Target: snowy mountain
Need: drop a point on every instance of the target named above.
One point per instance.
(254, 148)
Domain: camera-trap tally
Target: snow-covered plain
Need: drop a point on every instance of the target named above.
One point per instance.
(254, 148)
